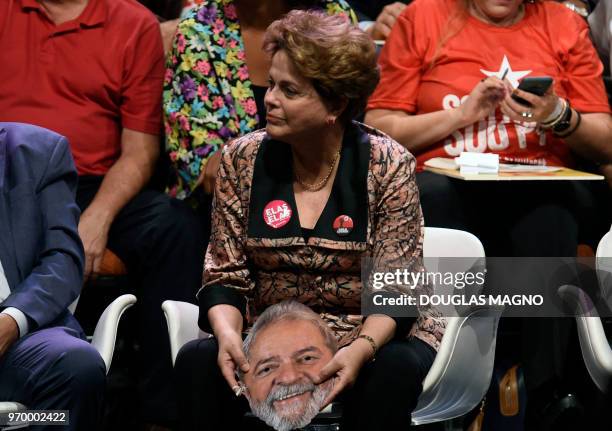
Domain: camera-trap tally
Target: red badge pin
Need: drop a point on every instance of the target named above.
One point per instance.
(343, 225)
(277, 214)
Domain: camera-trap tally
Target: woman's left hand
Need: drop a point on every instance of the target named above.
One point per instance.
(344, 368)
(542, 106)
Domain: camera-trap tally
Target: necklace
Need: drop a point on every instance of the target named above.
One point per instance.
(318, 186)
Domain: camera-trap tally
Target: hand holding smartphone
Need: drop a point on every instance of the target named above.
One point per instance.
(537, 85)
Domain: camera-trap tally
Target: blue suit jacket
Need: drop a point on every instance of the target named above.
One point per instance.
(40, 248)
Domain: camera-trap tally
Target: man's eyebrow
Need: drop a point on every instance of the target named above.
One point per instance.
(268, 359)
(276, 358)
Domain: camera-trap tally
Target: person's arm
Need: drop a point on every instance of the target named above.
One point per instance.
(347, 362)
(226, 322)
(55, 282)
(131, 172)
(398, 242)
(582, 82)
(192, 122)
(168, 29)
(20, 319)
(140, 117)
(385, 21)
(227, 281)
(9, 332)
(417, 132)
(593, 138)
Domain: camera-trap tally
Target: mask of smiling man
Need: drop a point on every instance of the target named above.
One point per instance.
(287, 347)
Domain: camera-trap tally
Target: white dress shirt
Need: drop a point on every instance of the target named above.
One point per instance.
(20, 318)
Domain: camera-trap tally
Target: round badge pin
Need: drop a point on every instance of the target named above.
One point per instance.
(277, 213)
(343, 225)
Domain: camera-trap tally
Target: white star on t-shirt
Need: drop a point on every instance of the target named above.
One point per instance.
(512, 76)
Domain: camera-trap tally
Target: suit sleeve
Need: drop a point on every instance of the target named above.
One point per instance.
(56, 280)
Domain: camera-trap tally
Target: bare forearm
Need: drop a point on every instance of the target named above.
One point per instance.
(416, 132)
(225, 318)
(593, 138)
(129, 174)
(121, 183)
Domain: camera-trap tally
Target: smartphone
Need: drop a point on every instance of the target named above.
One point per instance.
(537, 85)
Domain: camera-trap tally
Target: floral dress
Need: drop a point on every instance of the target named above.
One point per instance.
(208, 98)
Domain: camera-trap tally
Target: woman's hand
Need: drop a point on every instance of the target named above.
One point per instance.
(386, 19)
(483, 100)
(541, 106)
(231, 356)
(344, 367)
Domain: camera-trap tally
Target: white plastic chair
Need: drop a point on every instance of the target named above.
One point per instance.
(596, 350)
(103, 339)
(461, 372)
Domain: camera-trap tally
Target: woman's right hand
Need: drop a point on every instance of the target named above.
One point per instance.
(483, 100)
(231, 356)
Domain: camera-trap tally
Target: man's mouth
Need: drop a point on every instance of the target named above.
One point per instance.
(288, 396)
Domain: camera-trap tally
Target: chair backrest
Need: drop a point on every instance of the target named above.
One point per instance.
(604, 263)
(596, 350)
(604, 248)
(441, 242)
(182, 318)
(461, 372)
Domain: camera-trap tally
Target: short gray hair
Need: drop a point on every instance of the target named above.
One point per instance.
(288, 310)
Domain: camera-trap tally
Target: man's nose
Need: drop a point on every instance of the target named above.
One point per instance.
(288, 374)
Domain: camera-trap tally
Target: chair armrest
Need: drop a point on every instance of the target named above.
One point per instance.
(11, 407)
(105, 334)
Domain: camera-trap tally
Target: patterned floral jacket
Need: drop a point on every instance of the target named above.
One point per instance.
(208, 98)
(252, 264)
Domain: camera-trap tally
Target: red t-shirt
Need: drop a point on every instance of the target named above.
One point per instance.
(85, 79)
(550, 40)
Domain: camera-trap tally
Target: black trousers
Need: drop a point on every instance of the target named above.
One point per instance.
(161, 241)
(383, 397)
(522, 218)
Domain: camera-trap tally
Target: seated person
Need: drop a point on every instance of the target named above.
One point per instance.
(286, 349)
(98, 81)
(297, 207)
(214, 95)
(45, 362)
(600, 22)
(448, 73)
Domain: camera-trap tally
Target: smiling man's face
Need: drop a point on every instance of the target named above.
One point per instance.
(285, 358)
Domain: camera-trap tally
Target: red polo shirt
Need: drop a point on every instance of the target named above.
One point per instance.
(86, 78)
